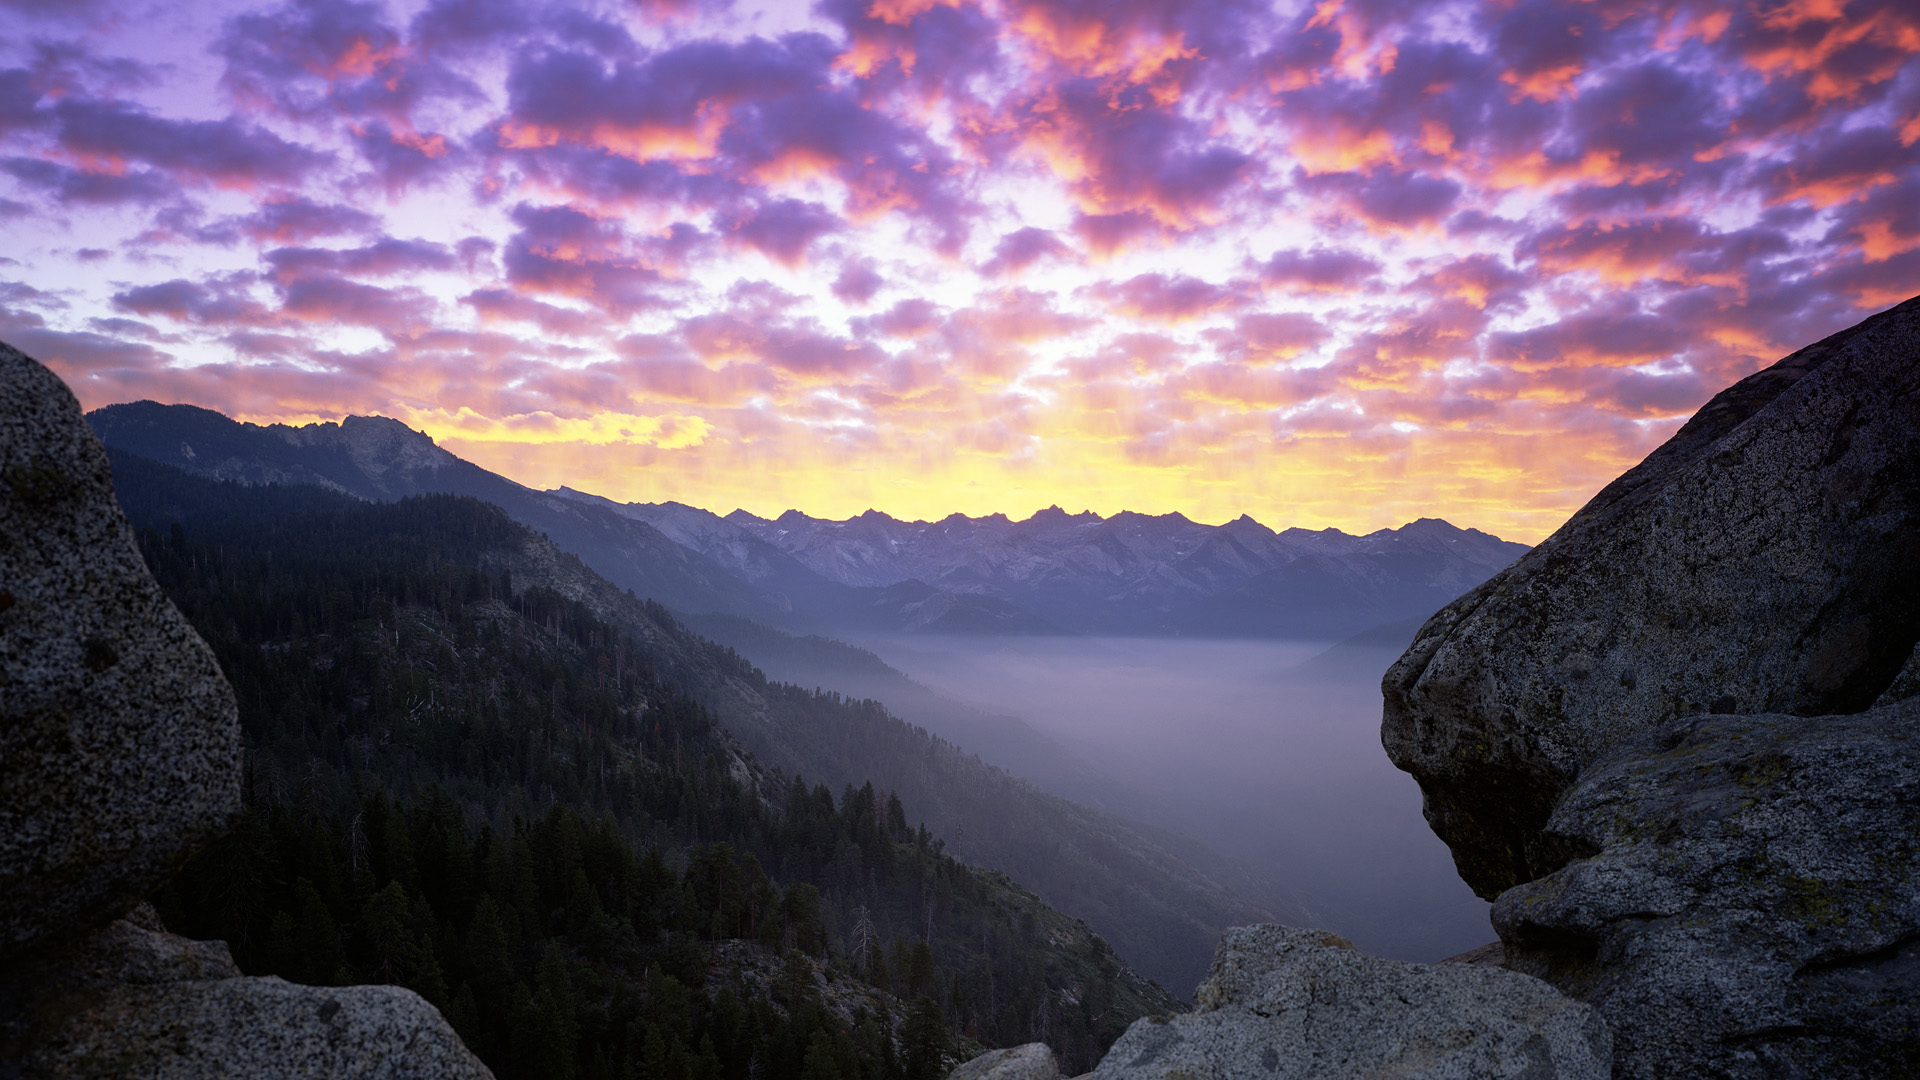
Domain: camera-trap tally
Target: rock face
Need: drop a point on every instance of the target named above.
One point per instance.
(131, 1001)
(119, 757)
(1034, 1061)
(1282, 1003)
(1754, 909)
(119, 742)
(1765, 559)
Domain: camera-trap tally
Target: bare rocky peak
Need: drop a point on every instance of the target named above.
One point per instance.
(372, 457)
(377, 444)
(875, 549)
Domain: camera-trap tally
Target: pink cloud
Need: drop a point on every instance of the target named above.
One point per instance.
(1321, 269)
(1168, 298)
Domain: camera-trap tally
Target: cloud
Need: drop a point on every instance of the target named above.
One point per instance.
(1614, 334)
(394, 312)
(386, 257)
(18, 101)
(312, 57)
(1402, 198)
(1318, 269)
(1332, 264)
(108, 135)
(293, 219)
(782, 229)
(1263, 337)
(506, 305)
(1135, 166)
(1022, 248)
(561, 250)
(858, 281)
(1169, 298)
(70, 185)
(1545, 46)
(907, 319)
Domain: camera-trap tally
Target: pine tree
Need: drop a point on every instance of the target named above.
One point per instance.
(925, 1041)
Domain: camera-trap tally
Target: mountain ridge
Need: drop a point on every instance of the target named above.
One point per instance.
(1129, 573)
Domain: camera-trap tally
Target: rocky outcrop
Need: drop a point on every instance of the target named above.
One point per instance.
(134, 1001)
(1754, 906)
(120, 757)
(1283, 1003)
(1034, 1061)
(119, 741)
(1765, 559)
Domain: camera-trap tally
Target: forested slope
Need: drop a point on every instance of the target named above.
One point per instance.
(462, 781)
(1161, 913)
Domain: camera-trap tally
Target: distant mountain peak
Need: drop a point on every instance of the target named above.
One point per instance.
(1054, 515)
(1130, 573)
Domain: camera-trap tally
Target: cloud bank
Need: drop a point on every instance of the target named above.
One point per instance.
(1340, 263)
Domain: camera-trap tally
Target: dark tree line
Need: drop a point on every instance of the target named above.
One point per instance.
(475, 788)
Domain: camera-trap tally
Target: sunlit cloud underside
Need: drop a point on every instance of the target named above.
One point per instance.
(1337, 264)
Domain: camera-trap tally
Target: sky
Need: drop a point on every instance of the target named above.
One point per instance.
(1344, 263)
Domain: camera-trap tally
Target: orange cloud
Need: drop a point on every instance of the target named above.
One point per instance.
(1895, 33)
(1094, 47)
(903, 12)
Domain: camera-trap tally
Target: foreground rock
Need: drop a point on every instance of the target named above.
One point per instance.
(119, 742)
(1762, 560)
(120, 757)
(1034, 1061)
(1754, 908)
(1281, 1003)
(132, 1001)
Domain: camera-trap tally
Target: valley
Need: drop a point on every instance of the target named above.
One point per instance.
(1264, 751)
(1204, 767)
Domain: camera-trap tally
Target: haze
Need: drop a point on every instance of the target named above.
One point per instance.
(1266, 751)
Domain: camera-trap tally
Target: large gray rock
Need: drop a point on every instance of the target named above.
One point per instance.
(1033, 1061)
(1765, 559)
(1753, 909)
(1282, 1003)
(132, 1002)
(119, 742)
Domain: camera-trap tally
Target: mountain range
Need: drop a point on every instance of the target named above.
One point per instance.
(1054, 572)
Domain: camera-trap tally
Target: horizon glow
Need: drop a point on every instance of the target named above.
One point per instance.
(1337, 264)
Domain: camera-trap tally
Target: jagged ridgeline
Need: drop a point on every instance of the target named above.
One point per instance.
(464, 782)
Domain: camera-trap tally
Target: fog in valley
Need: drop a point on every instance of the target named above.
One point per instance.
(1267, 752)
